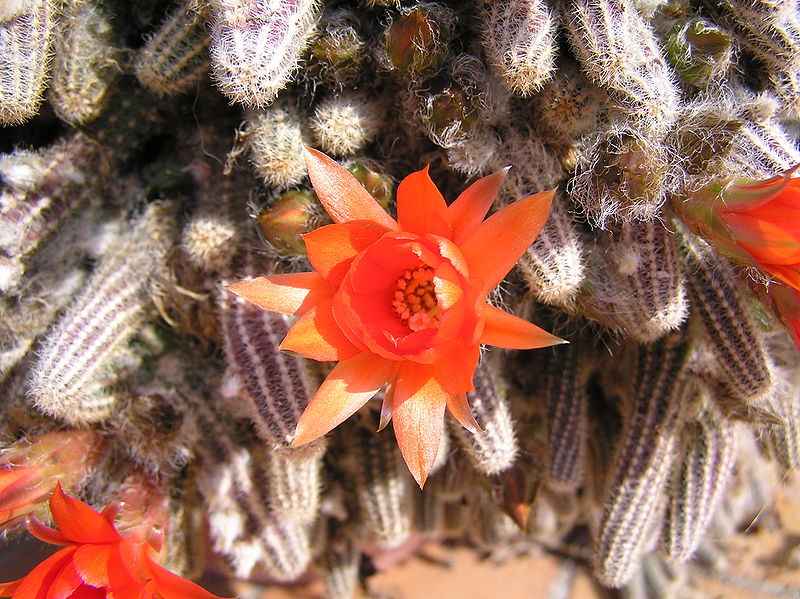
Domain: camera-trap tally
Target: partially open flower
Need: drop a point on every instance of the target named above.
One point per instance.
(403, 301)
(97, 561)
(756, 223)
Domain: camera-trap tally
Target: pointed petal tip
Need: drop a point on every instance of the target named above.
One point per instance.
(420, 477)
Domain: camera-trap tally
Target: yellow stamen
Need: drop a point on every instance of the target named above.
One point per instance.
(414, 299)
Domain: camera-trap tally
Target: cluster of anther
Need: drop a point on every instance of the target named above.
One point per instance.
(415, 299)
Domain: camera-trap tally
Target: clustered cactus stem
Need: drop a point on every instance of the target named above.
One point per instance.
(152, 153)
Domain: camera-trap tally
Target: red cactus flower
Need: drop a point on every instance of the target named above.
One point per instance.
(403, 301)
(753, 222)
(96, 560)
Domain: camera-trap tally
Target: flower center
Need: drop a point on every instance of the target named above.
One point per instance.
(414, 299)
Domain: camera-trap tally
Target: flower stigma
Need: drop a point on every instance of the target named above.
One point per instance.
(414, 299)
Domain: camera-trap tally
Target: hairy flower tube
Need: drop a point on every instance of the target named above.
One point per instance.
(403, 302)
(756, 223)
(96, 560)
(29, 471)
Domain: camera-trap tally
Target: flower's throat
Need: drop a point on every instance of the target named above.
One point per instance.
(414, 299)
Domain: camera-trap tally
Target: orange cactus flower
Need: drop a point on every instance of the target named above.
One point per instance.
(30, 471)
(402, 302)
(755, 223)
(96, 560)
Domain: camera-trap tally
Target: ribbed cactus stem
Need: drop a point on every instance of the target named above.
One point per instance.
(186, 541)
(643, 460)
(519, 38)
(735, 342)
(289, 481)
(340, 564)
(75, 365)
(175, 57)
(256, 45)
(553, 266)
(771, 31)
(619, 52)
(86, 64)
(275, 386)
(708, 451)
(241, 526)
(565, 394)
(653, 298)
(383, 487)
(763, 147)
(58, 185)
(25, 41)
(495, 447)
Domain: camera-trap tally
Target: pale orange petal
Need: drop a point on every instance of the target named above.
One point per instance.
(293, 293)
(317, 336)
(421, 209)
(418, 417)
(502, 329)
(331, 249)
(469, 209)
(340, 193)
(458, 406)
(496, 245)
(349, 386)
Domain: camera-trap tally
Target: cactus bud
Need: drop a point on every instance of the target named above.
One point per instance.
(345, 123)
(379, 184)
(339, 53)
(291, 215)
(700, 51)
(416, 42)
(274, 138)
(623, 175)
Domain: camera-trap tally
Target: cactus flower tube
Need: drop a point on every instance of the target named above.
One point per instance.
(752, 222)
(402, 302)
